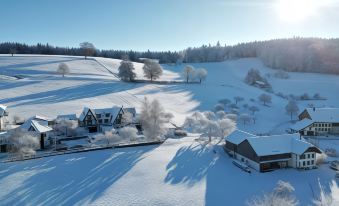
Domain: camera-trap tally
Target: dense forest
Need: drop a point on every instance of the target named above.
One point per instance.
(293, 54)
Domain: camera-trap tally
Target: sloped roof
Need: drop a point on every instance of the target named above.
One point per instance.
(39, 123)
(2, 109)
(271, 145)
(302, 124)
(130, 110)
(324, 114)
(39, 126)
(67, 116)
(113, 111)
(238, 136)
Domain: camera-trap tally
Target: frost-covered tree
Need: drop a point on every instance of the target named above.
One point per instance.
(126, 71)
(188, 73)
(127, 118)
(152, 69)
(201, 74)
(292, 108)
(221, 114)
(208, 125)
(238, 99)
(12, 51)
(87, 48)
(66, 126)
(280, 196)
(330, 198)
(23, 142)
(109, 137)
(252, 76)
(265, 99)
(63, 69)
(245, 118)
(153, 119)
(128, 133)
(253, 109)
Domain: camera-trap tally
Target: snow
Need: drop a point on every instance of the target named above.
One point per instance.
(178, 172)
(324, 114)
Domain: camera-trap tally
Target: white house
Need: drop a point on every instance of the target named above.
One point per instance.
(3, 115)
(318, 121)
(96, 119)
(266, 153)
(42, 126)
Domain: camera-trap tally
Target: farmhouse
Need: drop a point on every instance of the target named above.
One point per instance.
(3, 115)
(96, 119)
(40, 125)
(318, 121)
(266, 153)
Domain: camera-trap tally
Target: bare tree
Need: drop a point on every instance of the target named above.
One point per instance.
(12, 51)
(201, 74)
(188, 73)
(245, 118)
(152, 69)
(238, 99)
(265, 99)
(126, 71)
(253, 109)
(87, 48)
(292, 108)
(153, 119)
(63, 69)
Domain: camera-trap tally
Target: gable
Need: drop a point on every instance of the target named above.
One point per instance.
(304, 115)
(245, 149)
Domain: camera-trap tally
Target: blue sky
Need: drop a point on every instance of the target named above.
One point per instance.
(162, 24)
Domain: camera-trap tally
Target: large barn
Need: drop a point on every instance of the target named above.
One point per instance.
(266, 153)
(318, 122)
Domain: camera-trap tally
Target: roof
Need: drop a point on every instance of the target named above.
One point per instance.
(39, 123)
(272, 145)
(130, 110)
(113, 111)
(39, 126)
(302, 124)
(238, 136)
(324, 114)
(2, 109)
(67, 116)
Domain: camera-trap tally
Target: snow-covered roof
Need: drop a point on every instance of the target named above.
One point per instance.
(279, 144)
(2, 109)
(113, 111)
(67, 116)
(271, 145)
(238, 136)
(39, 126)
(39, 123)
(324, 114)
(301, 124)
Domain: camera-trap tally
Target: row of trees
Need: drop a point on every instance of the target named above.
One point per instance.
(293, 54)
(190, 74)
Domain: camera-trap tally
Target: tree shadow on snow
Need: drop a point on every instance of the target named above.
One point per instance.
(78, 179)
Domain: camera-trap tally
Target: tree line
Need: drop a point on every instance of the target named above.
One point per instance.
(292, 54)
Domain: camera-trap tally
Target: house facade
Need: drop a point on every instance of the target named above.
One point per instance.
(96, 119)
(3, 117)
(318, 122)
(266, 153)
(42, 127)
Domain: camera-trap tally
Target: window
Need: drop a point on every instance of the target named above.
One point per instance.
(312, 155)
(303, 163)
(309, 156)
(312, 162)
(308, 162)
(98, 115)
(302, 156)
(106, 120)
(107, 115)
(100, 121)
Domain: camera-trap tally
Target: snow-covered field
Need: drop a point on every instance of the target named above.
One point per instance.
(179, 172)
